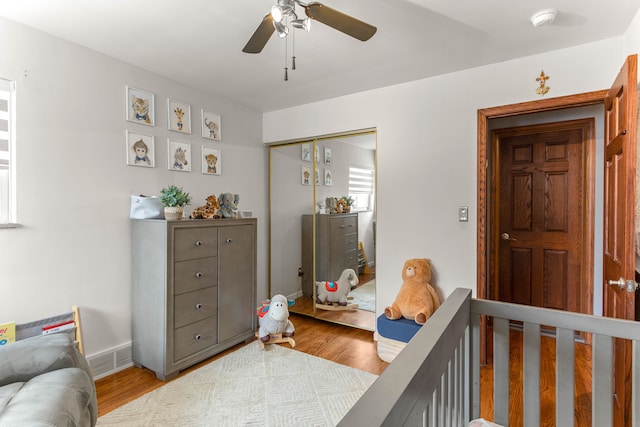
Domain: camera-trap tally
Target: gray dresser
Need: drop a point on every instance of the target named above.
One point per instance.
(194, 290)
(336, 247)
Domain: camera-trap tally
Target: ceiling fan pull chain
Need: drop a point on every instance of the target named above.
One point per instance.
(286, 70)
(293, 50)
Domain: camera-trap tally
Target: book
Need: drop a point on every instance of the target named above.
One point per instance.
(58, 327)
(7, 333)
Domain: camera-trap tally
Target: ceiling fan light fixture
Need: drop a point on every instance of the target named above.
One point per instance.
(277, 13)
(281, 10)
(304, 24)
(543, 17)
(282, 29)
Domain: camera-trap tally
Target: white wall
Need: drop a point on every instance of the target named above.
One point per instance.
(427, 150)
(73, 185)
(632, 36)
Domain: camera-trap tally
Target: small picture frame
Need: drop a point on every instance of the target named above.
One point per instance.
(140, 106)
(211, 125)
(140, 149)
(179, 116)
(317, 154)
(179, 156)
(318, 181)
(328, 178)
(211, 161)
(305, 175)
(306, 152)
(327, 156)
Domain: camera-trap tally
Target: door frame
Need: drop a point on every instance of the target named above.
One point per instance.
(484, 160)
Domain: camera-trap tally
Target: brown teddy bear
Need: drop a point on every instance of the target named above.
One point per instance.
(417, 300)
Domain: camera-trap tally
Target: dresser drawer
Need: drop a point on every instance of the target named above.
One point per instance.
(194, 306)
(192, 338)
(347, 224)
(195, 274)
(198, 242)
(351, 242)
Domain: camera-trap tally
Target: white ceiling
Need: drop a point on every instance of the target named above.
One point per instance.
(199, 42)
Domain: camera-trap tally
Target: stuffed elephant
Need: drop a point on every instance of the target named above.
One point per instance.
(332, 205)
(274, 319)
(229, 205)
(337, 291)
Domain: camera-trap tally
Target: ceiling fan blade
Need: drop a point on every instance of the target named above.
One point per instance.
(261, 36)
(340, 21)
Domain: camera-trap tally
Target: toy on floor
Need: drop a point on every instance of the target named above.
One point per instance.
(275, 326)
(335, 295)
(417, 300)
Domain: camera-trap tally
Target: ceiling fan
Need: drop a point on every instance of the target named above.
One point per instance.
(276, 20)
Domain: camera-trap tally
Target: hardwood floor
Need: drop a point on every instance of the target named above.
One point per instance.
(358, 318)
(342, 344)
(355, 347)
(582, 383)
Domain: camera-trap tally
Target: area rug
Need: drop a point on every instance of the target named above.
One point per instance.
(276, 386)
(365, 296)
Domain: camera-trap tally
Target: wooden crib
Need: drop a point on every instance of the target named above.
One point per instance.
(435, 379)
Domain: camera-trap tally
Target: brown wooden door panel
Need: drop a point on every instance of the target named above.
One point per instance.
(620, 106)
(540, 209)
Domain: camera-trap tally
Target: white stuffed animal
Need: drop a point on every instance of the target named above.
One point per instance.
(329, 292)
(274, 319)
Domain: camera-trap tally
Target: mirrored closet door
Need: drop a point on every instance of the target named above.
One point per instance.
(314, 241)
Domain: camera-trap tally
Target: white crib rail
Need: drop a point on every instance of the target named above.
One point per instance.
(568, 324)
(435, 379)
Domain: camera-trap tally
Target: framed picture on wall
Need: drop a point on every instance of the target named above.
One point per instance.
(140, 106)
(306, 175)
(140, 149)
(317, 154)
(328, 178)
(318, 181)
(179, 116)
(179, 156)
(327, 156)
(306, 152)
(211, 125)
(211, 161)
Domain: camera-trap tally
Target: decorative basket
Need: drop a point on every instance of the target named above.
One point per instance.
(173, 213)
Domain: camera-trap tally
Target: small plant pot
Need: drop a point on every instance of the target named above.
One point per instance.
(173, 213)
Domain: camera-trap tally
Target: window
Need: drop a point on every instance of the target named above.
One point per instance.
(361, 182)
(7, 182)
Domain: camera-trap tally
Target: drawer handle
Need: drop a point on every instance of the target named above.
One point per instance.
(197, 337)
(229, 240)
(342, 226)
(198, 243)
(198, 306)
(198, 274)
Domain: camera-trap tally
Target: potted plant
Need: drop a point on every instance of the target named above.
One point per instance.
(349, 201)
(173, 199)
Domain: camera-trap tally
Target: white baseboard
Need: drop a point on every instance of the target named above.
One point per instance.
(110, 361)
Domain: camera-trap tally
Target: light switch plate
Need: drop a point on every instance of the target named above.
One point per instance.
(463, 213)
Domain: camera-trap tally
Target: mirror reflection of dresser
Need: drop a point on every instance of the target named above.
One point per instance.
(336, 247)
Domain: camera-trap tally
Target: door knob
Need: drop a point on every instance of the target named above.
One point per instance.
(505, 236)
(627, 285)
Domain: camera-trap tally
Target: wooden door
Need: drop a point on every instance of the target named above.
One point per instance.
(538, 216)
(619, 223)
